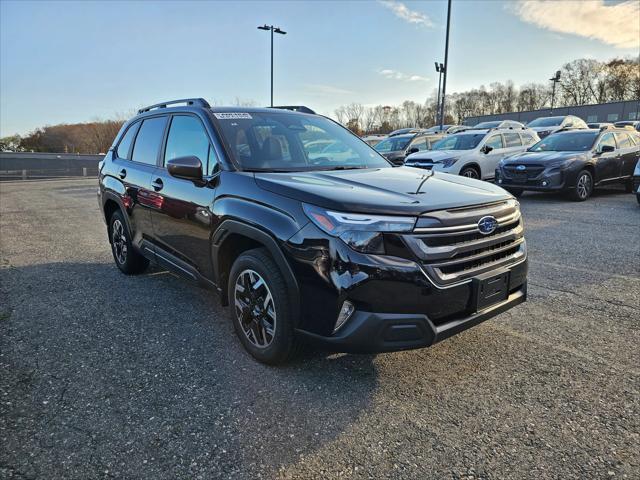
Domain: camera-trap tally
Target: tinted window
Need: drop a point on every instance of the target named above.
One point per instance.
(187, 137)
(393, 144)
(624, 140)
(125, 144)
(575, 141)
(495, 142)
(607, 139)
(546, 122)
(512, 139)
(148, 141)
(459, 141)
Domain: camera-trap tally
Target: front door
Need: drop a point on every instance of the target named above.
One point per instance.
(182, 220)
(489, 161)
(608, 164)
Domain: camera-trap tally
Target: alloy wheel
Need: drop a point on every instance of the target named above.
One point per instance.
(584, 186)
(470, 173)
(255, 308)
(119, 241)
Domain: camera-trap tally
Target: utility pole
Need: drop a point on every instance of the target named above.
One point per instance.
(440, 70)
(446, 66)
(273, 30)
(555, 79)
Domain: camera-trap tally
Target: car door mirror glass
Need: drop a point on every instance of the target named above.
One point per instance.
(186, 168)
(412, 150)
(606, 148)
(486, 149)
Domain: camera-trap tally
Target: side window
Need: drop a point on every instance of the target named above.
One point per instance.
(147, 145)
(187, 137)
(527, 139)
(513, 140)
(607, 139)
(124, 147)
(420, 144)
(495, 142)
(624, 140)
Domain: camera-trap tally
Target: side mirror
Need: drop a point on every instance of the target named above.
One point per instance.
(186, 168)
(486, 149)
(413, 150)
(606, 149)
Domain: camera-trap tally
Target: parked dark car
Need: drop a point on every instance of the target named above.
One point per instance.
(396, 148)
(573, 161)
(346, 252)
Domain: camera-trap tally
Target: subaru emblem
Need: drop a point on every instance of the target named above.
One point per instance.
(521, 167)
(487, 225)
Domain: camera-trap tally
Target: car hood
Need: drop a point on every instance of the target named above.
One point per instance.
(542, 157)
(388, 191)
(435, 155)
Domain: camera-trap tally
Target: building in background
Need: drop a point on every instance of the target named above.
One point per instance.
(602, 112)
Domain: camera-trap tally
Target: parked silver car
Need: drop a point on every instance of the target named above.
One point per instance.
(547, 125)
(473, 153)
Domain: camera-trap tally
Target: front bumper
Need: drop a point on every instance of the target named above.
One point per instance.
(368, 332)
(552, 179)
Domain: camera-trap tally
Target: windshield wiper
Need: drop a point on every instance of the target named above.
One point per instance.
(342, 167)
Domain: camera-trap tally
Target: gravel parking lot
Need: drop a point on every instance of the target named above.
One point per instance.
(107, 376)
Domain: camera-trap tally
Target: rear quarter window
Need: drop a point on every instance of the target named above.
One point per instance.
(124, 147)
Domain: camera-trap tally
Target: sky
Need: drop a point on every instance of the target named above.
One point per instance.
(66, 62)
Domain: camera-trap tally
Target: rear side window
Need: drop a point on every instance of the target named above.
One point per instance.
(527, 139)
(624, 140)
(148, 141)
(512, 139)
(124, 147)
(187, 137)
(495, 142)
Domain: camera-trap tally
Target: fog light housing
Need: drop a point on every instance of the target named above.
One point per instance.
(545, 183)
(499, 180)
(345, 314)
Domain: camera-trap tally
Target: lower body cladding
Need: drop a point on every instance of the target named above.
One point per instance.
(394, 305)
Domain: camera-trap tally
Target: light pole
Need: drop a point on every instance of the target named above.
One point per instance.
(446, 63)
(440, 70)
(555, 79)
(273, 30)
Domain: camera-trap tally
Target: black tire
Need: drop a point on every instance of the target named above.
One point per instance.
(127, 259)
(628, 185)
(470, 172)
(516, 192)
(253, 320)
(583, 187)
(638, 197)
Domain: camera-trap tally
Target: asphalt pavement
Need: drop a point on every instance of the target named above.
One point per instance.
(108, 376)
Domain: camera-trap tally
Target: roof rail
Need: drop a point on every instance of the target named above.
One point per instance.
(295, 108)
(198, 102)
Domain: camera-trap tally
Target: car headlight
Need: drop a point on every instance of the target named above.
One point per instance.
(559, 163)
(447, 162)
(362, 232)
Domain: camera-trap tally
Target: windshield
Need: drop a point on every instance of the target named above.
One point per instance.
(459, 141)
(566, 142)
(545, 122)
(487, 124)
(393, 144)
(282, 141)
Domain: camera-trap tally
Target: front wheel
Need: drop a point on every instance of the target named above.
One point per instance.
(583, 188)
(262, 316)
(470, 172)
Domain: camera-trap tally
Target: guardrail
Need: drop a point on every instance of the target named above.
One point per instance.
(24, 165)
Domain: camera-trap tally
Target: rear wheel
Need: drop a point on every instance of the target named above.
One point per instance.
(583, 188)
(127, 259)
(262, 316)
(470, 172)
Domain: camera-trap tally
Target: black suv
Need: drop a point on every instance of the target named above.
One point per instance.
(574, 161)
(343, 250)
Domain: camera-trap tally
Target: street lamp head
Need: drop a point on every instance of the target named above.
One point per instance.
(264, 27)
(437, 67)
(277, 30)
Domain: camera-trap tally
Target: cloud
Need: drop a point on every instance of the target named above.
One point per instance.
(326, 89)
(400, 10)
(395, 75)
(616, 24)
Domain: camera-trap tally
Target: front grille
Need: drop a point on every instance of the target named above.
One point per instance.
(452, 248)
(530, 172)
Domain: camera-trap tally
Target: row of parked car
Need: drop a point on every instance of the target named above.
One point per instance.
(561, 153)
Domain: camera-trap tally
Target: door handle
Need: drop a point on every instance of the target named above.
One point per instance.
(157, 184)
(123, 173)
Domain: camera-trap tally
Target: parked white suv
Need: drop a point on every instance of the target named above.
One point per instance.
(473, 153)
(544, 126)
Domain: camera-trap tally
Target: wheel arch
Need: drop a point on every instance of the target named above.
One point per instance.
(474, 165)
(234, 237)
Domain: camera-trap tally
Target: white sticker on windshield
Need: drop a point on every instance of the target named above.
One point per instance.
(232, 116)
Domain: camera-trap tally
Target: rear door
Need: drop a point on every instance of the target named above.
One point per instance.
(135, 160)
(183, 218)
(629, 151)
(489, 161)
